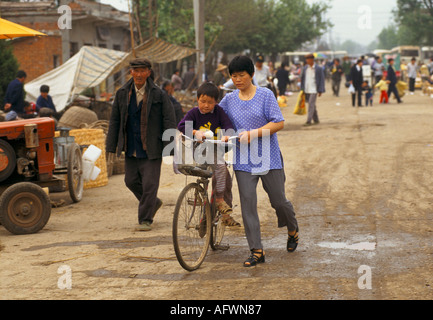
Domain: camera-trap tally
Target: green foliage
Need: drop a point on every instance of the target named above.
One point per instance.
(8, 68)
(266, 26)
(413, 25)
(416, 18)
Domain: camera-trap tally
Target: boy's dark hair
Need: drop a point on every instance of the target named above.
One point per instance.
(208, 89)
(240, 64)
(21, 74)
(44, 88)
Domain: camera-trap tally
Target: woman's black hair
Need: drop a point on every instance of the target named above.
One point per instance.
(208, 89)
(240, 64)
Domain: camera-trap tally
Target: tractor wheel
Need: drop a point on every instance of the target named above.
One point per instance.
(24, 208)
(75, 173)
(8, 160)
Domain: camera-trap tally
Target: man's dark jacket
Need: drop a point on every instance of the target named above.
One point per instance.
(15, 96)
(391, 76)
(160, 115)
(357, 77)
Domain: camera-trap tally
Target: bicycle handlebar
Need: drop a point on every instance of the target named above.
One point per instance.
(209, 140)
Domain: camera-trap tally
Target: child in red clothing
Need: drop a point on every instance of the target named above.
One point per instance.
(383, 87)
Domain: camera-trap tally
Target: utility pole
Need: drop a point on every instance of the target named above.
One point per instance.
(199, 38)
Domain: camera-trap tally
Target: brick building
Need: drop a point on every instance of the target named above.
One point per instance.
(93, 24)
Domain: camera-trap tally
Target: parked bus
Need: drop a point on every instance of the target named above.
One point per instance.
(381, 52)
(407, 53)
(427, 53)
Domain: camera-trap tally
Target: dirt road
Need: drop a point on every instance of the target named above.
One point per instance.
(361, 184)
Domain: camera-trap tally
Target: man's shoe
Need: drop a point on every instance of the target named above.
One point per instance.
(307, 124)
(144, 226)
(157, 206)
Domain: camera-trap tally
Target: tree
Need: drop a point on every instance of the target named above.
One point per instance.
(266, 26)
(8, 68)
(388, 38)
(415, 20)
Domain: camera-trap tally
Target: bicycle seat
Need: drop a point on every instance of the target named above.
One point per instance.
(195, 171)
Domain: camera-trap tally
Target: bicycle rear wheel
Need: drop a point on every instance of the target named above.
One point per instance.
(191, 227)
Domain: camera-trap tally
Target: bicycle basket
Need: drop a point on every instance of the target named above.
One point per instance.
(190, 158)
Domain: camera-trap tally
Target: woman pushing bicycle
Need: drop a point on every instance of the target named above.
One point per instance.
(255, 110)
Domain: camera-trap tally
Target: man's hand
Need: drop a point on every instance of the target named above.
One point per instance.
(7, 106)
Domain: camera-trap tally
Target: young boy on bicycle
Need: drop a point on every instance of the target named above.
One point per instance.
(209, 116)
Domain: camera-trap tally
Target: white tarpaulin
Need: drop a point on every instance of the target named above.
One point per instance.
(86, 69)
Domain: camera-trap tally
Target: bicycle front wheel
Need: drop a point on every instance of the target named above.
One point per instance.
(191, 227)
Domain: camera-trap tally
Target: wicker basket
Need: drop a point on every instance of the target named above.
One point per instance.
(75, 117)
(97, 138)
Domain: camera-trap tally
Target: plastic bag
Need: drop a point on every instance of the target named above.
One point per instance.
(300, 104)
(352, 89)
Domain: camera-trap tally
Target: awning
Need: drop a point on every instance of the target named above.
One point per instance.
(86, 69)
(92, 65)
(11, 30)
(157, 51)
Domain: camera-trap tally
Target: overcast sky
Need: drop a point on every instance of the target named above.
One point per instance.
(358, 20)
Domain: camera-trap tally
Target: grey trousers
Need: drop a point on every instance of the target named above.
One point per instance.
(312, 109)
(273, 184)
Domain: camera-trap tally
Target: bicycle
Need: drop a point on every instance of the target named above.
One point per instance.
(197, 224)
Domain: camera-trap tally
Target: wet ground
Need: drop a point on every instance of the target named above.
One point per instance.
(361, 185)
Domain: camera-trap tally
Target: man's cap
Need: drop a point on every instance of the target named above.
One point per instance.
(140, 63)
(260, 58)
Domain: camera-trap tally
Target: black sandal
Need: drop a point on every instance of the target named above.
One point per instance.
(292, 242)
(257, 256)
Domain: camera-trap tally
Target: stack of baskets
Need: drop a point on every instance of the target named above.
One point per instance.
(87, 130)
(97, 138)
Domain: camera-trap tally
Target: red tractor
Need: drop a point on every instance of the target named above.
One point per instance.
(32, 158)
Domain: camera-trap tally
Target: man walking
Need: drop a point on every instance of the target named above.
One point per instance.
(141, 113)
(357, 78)
(378, 68)
(313, 84)
(392, 78)
(411, 74)
(337, 72)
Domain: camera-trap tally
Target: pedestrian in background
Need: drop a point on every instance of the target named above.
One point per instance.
(411, 74)
(356, 79)
(176, 80)
(313, 84)
(336, 73)
(14, 97)
(282, 76)
(392, 78)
